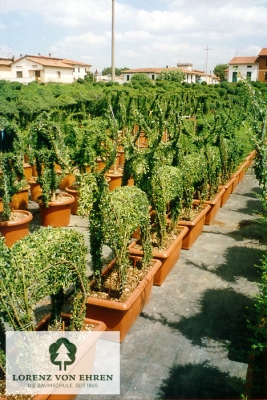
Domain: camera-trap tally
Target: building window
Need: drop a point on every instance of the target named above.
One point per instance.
(19, 74)
(152, 77)
(249, 75)
(265, 76)
(58, 74)
(127, 77)
(249, 66)
(79, 69)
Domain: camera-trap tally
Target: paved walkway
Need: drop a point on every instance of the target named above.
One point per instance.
(191, 341)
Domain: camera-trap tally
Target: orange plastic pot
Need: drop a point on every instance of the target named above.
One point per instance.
(16, 230)
(57, 214)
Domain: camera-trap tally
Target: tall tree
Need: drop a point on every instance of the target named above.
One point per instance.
(219, 71)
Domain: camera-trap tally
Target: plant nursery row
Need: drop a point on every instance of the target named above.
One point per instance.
(147, 169)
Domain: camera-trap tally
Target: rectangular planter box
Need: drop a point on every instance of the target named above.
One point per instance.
(228, 190)
(121, 316)
(168, 257)
(195, 227)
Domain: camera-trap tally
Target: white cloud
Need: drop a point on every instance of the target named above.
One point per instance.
(152, 32)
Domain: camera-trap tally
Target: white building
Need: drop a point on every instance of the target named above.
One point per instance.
(47, 69)
(191, 75)
(243, 67)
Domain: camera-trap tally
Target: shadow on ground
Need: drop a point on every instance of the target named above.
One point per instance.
(241, 262)
(223, 318)
(200, 381)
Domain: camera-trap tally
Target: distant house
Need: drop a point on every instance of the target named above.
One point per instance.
(246, 67)
(253, 68)
(5, 68)
(191, 75)
(47, 69)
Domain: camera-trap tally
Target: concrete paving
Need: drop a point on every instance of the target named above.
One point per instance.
(192, 340)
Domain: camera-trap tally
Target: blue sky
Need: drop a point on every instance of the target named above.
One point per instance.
(149, 33)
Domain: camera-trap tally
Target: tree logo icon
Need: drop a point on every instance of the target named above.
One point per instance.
(62, 353)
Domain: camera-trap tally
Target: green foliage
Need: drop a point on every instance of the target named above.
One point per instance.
(142, 80)
(256, 379)
(166, 194)
(171, 75)
(44, 264)
(118, 71)
(113, 217)
(46, 148)
(124, 210)
(11, 180)
(219, 71)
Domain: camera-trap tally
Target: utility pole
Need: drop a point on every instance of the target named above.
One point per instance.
(207, 56)
(113, 43)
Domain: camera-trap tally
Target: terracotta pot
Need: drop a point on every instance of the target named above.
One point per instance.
(130, 182)
(44, 322)
(35, 189)
(74, 192)
(27, 169)
(214, 206)
(236, 181)
(242, 170)
(251, 157)
(100, 164)
(228, 190)
(1, 206)
(20, 200)
(15, 230)
(66, 181)
(57, 214)
(121, 316)
(34, 170)
(121, 158)
(115, 180)
(195, 227)
(168, 257)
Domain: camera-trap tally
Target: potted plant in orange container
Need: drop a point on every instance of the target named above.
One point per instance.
(14, 223)
(120, 291)
(39, 271)
(46, 148)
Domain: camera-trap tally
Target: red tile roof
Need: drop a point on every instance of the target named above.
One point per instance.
(244, 60)
(263, 52)
(48, 61)
(6, 61)
(159, 70)
(53, 61)
(73, 62)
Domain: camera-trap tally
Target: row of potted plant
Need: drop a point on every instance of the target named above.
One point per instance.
(178, 161)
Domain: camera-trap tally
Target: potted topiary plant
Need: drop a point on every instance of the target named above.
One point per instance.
(120, 292)
(46, 148)
(13, 222)
(41, 266)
